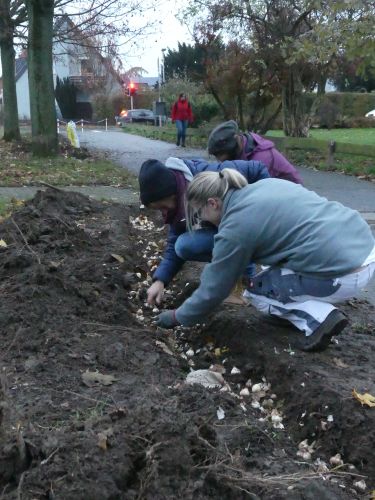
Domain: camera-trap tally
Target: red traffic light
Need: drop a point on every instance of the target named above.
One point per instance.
(132, 89)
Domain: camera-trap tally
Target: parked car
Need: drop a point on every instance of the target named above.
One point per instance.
(136, 116)
(370, 114)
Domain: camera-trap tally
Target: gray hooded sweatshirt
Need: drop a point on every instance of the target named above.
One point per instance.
(278, 223)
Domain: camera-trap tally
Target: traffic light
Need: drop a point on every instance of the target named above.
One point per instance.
(132, 89)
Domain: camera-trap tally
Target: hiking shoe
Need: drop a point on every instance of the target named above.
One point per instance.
(320, 339)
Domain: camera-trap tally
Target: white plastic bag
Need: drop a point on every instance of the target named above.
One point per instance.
(72, 134)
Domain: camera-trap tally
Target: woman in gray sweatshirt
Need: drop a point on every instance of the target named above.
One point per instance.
(318, 252)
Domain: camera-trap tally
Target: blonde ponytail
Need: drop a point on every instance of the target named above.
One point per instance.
(210, 185)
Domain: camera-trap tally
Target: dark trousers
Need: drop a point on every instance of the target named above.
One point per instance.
(181, 126)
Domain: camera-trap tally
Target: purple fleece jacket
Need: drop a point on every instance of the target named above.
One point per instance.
(257, 148)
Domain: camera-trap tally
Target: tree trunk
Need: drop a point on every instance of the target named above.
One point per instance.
(294, 117)
(240, 111)
(322, 81)
(269, 122)
(11, 125)
(222, 106)
(42, 97)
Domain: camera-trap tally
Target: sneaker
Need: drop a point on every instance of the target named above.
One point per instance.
(320, 339)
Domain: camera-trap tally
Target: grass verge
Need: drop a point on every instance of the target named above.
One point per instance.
(69, 168)
(8, 206)
(361, 166)
(195, 137)
(363, 136)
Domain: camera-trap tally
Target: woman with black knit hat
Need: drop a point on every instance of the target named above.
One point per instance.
(163, 187)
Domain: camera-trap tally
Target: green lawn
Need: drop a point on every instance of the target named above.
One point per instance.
(348, 135)
(198, 136)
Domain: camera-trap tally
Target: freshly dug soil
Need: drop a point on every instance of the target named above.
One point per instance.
(93, 399)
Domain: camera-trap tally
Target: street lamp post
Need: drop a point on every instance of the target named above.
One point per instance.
(163, 51)
(159, 87)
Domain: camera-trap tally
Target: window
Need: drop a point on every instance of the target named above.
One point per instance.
(86, 67)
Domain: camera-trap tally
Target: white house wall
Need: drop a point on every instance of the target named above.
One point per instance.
(23, 97)
(67, 62)
(60, 61)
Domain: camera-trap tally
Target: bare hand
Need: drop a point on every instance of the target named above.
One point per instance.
(155, 293)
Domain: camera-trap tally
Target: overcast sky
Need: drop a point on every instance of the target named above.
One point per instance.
(146, 54)
(171, 32)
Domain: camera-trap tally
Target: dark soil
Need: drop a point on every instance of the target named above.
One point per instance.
(73, 282)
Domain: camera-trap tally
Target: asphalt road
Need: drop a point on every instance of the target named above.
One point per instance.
(130, 151)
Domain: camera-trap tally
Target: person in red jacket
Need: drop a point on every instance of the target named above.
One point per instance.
(181, 115)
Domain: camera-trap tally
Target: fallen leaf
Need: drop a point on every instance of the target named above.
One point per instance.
(3, 244)
(364, 399)
(164, 347)
(339, 363)
(118, 258)
(53, 265)
(95, 378)
(18, 203)
(219, 351)
(102, 441)
(103, 438)
(117, 413)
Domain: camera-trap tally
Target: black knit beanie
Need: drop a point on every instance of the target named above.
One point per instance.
(156, 182)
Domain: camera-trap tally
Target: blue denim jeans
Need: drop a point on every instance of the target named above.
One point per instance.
(198, 245)
(181, 126)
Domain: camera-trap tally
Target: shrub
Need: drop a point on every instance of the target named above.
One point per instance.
(328, 114)
(102, 107)
(203, 105)
(358, 122)
(350, 104)
(205, 109)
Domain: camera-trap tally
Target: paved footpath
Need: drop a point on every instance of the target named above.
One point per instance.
(130, 151)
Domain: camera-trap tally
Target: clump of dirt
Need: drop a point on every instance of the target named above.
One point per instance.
(93, 399)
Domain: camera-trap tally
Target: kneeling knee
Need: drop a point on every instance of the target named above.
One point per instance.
(180, 248)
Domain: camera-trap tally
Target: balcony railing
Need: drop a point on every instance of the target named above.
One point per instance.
(87, 81)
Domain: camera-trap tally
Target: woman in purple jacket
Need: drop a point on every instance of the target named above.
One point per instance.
(227, 143)
(163, 187)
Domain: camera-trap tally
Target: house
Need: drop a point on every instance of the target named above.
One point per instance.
(143, 84)
(75, 58)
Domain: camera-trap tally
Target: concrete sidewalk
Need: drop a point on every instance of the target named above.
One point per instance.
(120, 195)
